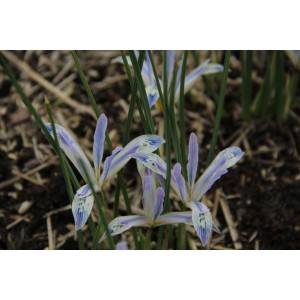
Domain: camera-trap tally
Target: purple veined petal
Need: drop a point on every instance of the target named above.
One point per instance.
(170, 65)
(213, 68)
(224, 160)
(98, 146)
(107, 163)
(159, 202)
(192, 164)
(121, 224)
(147, 73)
(157, 165)
(198, 207)
(180, 182)
(152, 94)
(148, 199)
(143, 171)
(148, 143)
(174, 218)
(149, 69)
(203, 226)
(82, 206)
(72, 150)
(141, 144)
(191, 79)
(122, 245)
(153, 162)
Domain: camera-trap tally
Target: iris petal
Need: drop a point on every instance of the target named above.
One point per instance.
(121, 224)
(224, 160)
(192, 164)
(157, 165)
(153, 162)
(141, 144)
(199, 207)
(180, 182)
(174, 218)
(149, 197)
(203, 226)
(204, 69)
(107, 163)
(152, 95)
(98, 146)
(72, 150)
(82, 206)
(159, 203)
(170, 65)
(213, 68)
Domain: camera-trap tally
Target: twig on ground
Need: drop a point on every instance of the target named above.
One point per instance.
(11, 181)
(16, 222)
(56, 211)
(51, 238)
(231, 226)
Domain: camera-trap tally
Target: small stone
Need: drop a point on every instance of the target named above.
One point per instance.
(18, 186)
(24, 207)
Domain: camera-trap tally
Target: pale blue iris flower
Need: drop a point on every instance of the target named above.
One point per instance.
(152, 200)
(191, 191)
(83, 200)
(150, 83)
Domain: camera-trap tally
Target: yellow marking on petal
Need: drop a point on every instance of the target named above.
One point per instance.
(158, 105)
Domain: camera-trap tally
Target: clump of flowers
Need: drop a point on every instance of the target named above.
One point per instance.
(153, 201)
(151, 167)
(191, 191)
(205, 68)
(83, 200)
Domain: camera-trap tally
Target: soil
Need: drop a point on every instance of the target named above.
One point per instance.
(256, 204)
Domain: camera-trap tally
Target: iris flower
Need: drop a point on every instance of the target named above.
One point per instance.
(191, 191)
(83, 200)
(150, 83)
(152, 200)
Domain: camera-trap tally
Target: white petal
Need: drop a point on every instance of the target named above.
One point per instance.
(152, 94)
(98, 146)
(141, 144)
(216, 169)
(149, 190)
(121, 224)
(72, 150)
(192, 164)
(82, 206)
(174, 218)
(203, 226)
